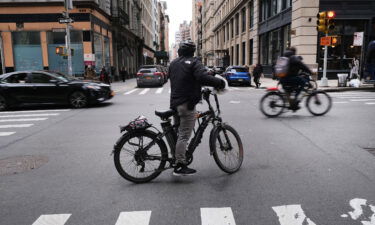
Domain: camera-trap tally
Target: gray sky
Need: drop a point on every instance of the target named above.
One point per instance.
(178, 11)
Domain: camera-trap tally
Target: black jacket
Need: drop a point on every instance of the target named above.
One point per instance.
(295, 65)
(187, 75)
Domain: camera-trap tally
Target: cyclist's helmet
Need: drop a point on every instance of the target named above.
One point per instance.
(290, 51)
(186, 48)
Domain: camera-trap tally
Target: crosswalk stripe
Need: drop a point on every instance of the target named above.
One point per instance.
(357, 97)
(134, 218)
(144, 91)
(129, 92)
(23, 120)
(16, 125)
(362, 100)
(370, 103)
(53, 219)
(169, 91)
(2, 134)
(292, 215)
(160, 90)
(339, 102)
(217, 216)
(36, 111)
(30, 115)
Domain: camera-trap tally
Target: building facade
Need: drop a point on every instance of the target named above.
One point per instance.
(247, 32)
(148, 31)
(162, 55)
(30, 33)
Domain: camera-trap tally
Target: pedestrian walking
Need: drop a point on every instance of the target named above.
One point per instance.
(104, 76)
(257, 73)
(89, 73)
(123, 73)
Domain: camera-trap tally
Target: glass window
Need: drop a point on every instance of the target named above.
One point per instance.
(243, 53)
(237, 54)
(244, 19)
(237, 23)
(251, 45)
(273, 7)
(59, 37)
(238, 70)
(26, 38)
(41, 78)
(17, 78)
(232, 27)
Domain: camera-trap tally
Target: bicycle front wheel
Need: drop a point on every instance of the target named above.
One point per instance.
(272, 104)
(227, 149)
(136, 165)
(319, 103)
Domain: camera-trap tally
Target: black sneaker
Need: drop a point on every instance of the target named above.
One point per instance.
(183, 170)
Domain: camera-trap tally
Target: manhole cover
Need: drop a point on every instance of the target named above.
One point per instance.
(20, 164)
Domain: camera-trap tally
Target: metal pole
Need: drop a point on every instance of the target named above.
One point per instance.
(324, 80)
(69, 52)
(2, 54)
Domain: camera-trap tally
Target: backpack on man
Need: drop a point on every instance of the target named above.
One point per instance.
(282, 67)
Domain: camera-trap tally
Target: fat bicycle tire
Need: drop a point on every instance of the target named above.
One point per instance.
(124, 143)
(313, 99)
(215, 147)
(264, 105)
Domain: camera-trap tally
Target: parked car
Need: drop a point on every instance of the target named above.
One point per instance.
(159, 68)
(41, 87)
(238, 75)
(150, 76)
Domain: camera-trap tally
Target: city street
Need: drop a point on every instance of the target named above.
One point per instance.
(297, 170)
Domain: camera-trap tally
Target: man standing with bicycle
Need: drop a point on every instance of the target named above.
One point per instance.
(187, 75)
(292, 77)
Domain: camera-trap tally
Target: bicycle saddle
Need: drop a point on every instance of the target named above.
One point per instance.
(165, 114)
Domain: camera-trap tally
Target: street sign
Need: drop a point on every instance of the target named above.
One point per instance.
(66, 20)
(358, 39)
(325, 41)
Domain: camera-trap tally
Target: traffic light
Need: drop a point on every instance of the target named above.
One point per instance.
(336, 40)
(60, 50)
(330, 20)
(322, 22)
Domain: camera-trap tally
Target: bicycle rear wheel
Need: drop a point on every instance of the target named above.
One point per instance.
(272, 104)
(138, 166)
(319, 103)
(227, 149)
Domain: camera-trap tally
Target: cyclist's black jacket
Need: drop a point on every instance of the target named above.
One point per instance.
(187, 75)
(295, 65)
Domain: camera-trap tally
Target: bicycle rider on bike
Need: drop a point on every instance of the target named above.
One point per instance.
(292, 79)
(187, 75)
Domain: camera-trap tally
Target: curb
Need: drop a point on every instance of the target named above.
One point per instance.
(347, 89)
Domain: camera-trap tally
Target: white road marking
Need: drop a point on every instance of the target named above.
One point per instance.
(235, 88)
(339, 102)
(217, 216)
(292, 215)
(357, 204)
(362, 100)
(358, 213)
(134, 218)
(36, 111)
(144, 91)
(129, 92)
(160, 90)
(169, 91)
(235, 102)
(23, 120)
(30, 115)
(16, 125)
(370, 103)
(357, 97)
(53, 219)
(2, 134)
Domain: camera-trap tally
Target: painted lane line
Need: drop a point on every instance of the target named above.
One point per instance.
(144, 91)
(160, 90)
(362, 100)
(339, 102)
(235, 102)
(134, 218)
(356, 97)
(2, 134)
(129, 92)
(16, 126)
(30, 115)
(370, 103)
(23, 120)
(235, 88)
(292, 215)
(36, 111)
(53, 219)
(217, 216)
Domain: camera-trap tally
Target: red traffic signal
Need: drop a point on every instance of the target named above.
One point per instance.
(331, 14)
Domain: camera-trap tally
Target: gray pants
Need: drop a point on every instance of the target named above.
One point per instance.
(187, 122)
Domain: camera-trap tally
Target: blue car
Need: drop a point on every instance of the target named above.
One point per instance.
(238, 75)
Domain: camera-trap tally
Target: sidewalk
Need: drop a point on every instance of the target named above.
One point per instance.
(332, 85)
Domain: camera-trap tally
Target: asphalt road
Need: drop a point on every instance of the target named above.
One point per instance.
(298, 169)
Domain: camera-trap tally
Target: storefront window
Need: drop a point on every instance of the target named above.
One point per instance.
(98, 48)
(27, 51)
(107, 55)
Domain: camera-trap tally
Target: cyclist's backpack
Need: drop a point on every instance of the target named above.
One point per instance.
(282, 67)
